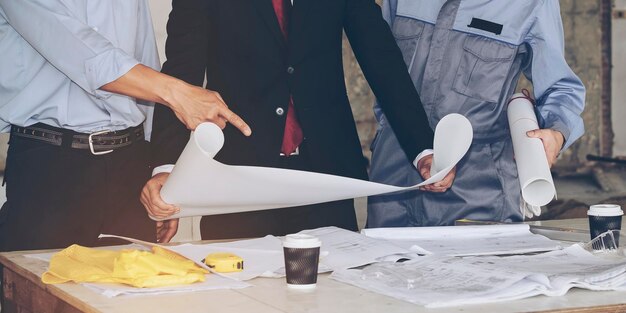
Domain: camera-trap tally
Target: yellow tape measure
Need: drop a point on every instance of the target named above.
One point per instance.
(223, 262)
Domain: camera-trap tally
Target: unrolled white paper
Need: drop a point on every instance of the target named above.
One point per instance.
(200, 185)
(532, 164)
(465, 240)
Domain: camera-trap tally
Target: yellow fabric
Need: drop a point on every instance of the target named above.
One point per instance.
(131, 267)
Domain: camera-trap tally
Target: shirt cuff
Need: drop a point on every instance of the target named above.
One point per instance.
(167, 168)
(422, 154)
(564, 130)
(105, 68)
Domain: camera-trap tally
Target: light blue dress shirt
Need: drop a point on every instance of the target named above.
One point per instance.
(56, 54)
(465, 56)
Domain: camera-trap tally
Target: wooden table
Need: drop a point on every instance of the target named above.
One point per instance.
(24, 292)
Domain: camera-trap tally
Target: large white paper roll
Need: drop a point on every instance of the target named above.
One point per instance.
(199, 185)
(532, 164)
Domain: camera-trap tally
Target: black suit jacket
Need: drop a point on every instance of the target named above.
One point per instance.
(238, 44)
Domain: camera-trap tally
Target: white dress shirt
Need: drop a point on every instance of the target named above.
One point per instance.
(56, 54)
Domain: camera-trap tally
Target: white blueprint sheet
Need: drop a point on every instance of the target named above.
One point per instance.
(436, 281)
(465, 240)
(347, 249)
(199, 185)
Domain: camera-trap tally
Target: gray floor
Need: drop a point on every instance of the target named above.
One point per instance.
(594, 186)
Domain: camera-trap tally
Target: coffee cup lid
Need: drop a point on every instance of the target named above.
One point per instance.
(605, 210)
(301, 241)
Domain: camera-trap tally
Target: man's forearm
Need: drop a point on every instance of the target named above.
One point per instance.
(191, 104)
(142, 82)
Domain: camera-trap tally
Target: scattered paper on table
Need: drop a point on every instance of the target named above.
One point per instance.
(437, 281)
(261, 257)
(212, 282)
(200, 185)
(349, 249)
(465, 240)
(532, 164)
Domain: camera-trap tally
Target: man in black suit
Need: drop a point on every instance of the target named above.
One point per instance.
(276, 64)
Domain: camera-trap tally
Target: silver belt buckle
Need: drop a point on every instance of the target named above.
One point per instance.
(297, 152)
(93, 151)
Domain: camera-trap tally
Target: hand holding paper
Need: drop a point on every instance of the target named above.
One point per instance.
(552, 142)
(199, 185)
(151, 199)
(532, 164)
(424, 166)
(453, 137)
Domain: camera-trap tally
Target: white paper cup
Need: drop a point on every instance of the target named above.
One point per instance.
(602, 218)
(302, 254)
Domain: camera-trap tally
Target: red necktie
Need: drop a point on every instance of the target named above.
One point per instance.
(293, 136)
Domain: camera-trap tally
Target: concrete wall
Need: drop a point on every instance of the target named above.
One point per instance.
(619, 78)
(581, 22)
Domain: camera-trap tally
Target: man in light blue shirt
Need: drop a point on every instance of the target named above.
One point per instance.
(71, 76)
(465, 56)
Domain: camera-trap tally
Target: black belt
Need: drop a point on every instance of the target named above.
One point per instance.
(100, 142)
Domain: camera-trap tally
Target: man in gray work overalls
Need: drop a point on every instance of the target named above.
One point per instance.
(465, 56)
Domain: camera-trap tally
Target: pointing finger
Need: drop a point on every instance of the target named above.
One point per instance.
(237, 121)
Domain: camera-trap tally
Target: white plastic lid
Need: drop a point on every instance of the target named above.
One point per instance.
(605, 210)
(301, 287)
(301, 241)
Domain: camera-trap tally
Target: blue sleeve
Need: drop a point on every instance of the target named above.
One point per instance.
(559, 92)
(73, 47)
(147, 53)
(146, 46)
(389, 10)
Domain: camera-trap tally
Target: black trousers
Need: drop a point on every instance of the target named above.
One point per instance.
(60, 196)
(280, 222)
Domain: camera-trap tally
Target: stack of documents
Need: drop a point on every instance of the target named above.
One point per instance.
(465, 240)
(438, 280)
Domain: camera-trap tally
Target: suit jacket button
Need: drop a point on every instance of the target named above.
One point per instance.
(290, 70)
(280, 111)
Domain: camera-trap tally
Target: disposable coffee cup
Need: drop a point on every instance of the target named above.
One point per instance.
(602, 218)
(302, 255)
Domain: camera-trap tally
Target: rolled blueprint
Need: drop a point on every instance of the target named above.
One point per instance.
(532, 164)
(200, 185)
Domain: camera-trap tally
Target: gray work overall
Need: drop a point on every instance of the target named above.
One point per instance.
(465, 56)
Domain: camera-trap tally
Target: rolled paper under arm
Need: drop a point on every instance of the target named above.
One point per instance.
(530, 156)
